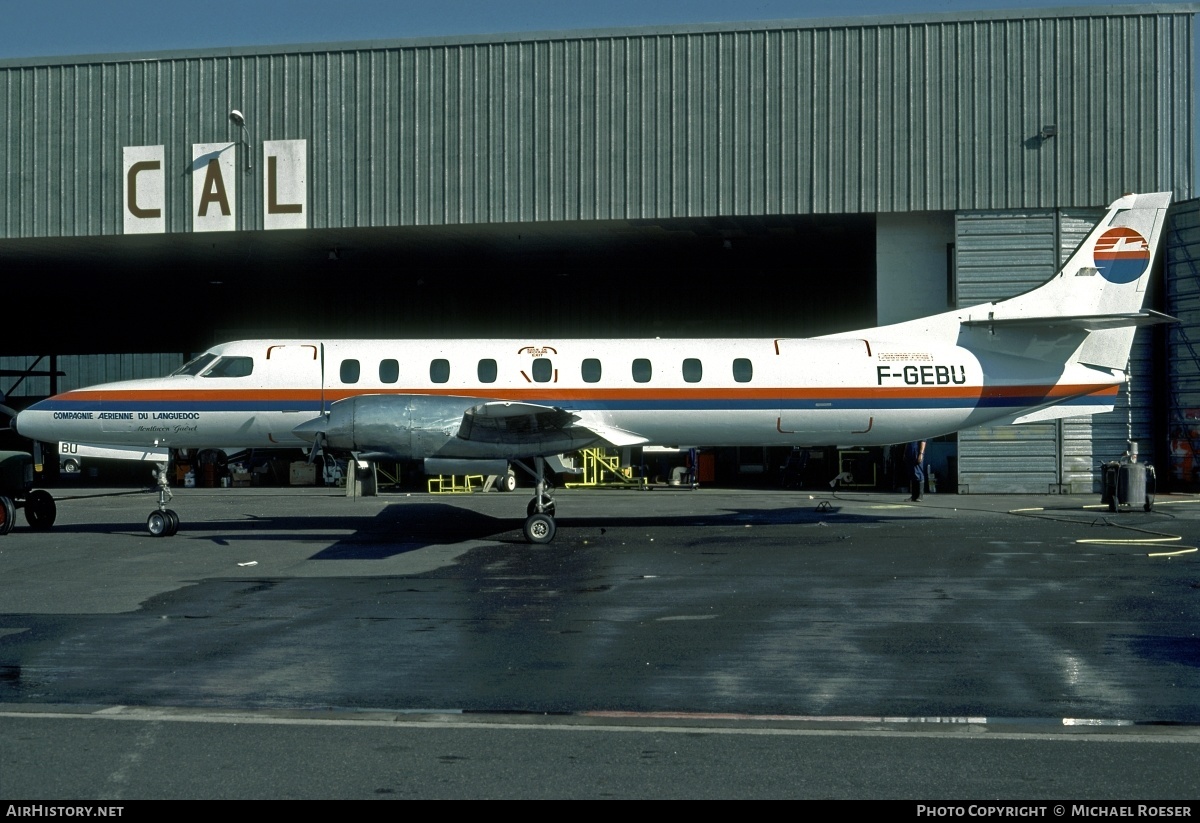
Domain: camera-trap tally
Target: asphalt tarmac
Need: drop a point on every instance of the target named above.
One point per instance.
(293, 643)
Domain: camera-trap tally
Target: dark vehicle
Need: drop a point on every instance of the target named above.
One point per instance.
(17, 492)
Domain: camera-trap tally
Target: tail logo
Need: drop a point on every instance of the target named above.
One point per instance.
(1121, 254)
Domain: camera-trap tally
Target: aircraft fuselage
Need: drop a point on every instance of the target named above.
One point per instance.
(709, 392)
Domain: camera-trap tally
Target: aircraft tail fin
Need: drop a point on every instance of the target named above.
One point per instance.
(1100, 290)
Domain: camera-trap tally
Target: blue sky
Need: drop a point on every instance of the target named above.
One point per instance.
(44, 28)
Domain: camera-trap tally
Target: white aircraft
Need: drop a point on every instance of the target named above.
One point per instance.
(468, 406)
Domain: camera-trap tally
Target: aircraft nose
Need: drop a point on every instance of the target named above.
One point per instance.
(31, 422)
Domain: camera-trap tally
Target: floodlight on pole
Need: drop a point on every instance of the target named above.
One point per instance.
(239, 120)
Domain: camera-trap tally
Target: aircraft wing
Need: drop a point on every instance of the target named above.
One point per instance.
(613, 435)
(458, 427)
(518, 423)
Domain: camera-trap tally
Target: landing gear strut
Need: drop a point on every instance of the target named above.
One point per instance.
(163, 522)
(539, 524)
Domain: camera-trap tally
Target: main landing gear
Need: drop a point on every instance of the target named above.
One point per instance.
(163, 522)
(539, 524)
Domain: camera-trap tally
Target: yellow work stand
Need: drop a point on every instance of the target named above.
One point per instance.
(449, 484)
(597, 465)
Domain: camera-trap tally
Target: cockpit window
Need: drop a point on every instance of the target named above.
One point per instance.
(231, 367)
(196, 365)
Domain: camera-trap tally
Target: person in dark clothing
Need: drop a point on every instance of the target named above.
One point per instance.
(914, 459)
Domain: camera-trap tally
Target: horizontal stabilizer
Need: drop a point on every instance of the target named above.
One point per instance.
(1056, 413)
(1081, 322)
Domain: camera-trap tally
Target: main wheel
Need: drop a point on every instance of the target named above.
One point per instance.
(159, 524)
(40, 509)
(507, 482)
(8, 515)
(539, 528)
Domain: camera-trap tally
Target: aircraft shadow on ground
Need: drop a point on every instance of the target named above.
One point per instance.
(401, 529)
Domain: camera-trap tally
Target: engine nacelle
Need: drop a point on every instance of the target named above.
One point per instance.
(420, 426)
(401, 427)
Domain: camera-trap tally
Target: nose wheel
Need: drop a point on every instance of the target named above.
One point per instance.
(162, 523)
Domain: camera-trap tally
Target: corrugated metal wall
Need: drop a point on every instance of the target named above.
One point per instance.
(999, 255)
(935, 114)
(1183, 350)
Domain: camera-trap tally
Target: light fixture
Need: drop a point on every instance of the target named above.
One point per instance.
(239, 120)
(1048, 131)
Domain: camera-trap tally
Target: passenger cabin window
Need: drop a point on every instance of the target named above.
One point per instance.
(743, 370)
(196, 365)
(231, 367)
(350, 371)
(642, 371)
(591, 370)
(693, 370)
(389, 371)
(543, 370)
(487, 371)
(439, 370)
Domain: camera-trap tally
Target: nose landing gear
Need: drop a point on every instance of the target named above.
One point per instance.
(163, 522)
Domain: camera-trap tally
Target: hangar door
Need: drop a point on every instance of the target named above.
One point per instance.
(1183, 351)
(1002, 254)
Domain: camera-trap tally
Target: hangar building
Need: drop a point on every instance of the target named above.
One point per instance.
(779, 179)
